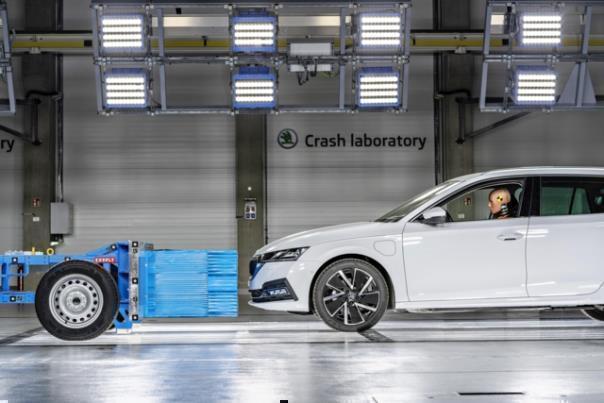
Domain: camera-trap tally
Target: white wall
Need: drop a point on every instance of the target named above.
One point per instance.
(313, 187)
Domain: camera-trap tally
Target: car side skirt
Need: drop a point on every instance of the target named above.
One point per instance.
(537, 302)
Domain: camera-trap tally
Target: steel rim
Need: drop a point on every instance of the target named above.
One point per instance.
(76, 301)
(351, 296)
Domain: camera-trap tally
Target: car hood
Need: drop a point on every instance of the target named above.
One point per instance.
(332, 233)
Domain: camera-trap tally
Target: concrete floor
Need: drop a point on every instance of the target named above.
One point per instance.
(268, 358)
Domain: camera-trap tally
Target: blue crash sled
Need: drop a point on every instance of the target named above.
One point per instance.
(151, 283)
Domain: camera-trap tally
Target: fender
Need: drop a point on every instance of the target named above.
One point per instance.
(391, 260)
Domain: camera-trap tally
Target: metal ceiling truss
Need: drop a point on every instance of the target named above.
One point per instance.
(6, 69)
(156, 58)
(578, 92)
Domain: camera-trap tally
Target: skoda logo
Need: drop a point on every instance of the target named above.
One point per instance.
(287, 139)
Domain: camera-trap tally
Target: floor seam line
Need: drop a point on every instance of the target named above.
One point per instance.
(375, 336)
(7, 341)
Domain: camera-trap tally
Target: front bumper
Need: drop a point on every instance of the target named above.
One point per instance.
(281, 286)
(276, 290)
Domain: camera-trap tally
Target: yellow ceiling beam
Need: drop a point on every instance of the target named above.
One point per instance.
(56, 43)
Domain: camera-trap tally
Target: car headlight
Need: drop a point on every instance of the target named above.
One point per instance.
(285, 255)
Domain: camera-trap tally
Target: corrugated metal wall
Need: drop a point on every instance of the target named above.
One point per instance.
(313, 187)
(11, 164)
(11, 196)
(562, 138)
(168, 180)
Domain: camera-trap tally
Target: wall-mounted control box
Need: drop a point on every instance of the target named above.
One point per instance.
(250, 209)
(61, 218)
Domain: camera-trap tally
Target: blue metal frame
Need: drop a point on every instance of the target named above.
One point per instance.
(178, 283)
(117, 252)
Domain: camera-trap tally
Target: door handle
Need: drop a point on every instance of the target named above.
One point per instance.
(511, 236)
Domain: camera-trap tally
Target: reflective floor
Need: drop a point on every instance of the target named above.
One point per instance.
(481, 359)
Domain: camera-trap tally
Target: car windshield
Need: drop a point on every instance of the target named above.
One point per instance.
(411, 204)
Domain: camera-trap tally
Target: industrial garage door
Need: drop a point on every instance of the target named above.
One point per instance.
(168, 180)
(313, 184)
(11, 196)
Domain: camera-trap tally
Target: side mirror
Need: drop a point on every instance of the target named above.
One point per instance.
(434, 216)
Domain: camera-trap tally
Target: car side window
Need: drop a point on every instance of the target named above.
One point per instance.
(571, 196)
(497, 200)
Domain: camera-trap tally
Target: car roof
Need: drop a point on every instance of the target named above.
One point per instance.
(532, 171)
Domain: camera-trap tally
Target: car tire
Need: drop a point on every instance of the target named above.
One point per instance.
(595, 312)
(76, 300)
(350, 295)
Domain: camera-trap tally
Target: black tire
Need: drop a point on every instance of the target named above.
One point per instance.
(82, 294)
(596, 313)
(350, 309)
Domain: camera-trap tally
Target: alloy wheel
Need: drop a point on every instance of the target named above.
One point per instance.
(351, 296)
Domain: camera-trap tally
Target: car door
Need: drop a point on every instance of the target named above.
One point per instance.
(565, 255)
(471, 255)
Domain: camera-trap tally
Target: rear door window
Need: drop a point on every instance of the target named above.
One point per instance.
(571, 196)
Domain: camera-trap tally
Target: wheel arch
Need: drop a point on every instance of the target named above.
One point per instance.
(70, 262)
(111, 272)
(378, 265)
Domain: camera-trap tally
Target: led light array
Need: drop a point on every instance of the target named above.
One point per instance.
(125, 89)
(254, 88)
(535, 86)
(381, 30)
(122, 32)
(378, 88)
(541, 29)
(254, 33)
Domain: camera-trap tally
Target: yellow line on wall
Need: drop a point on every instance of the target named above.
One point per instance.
(179, 43)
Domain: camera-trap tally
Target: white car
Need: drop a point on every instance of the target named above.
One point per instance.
(514, 238)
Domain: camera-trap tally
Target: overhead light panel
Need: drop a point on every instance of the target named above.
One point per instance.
(378, 87)
(254, 88)
(123, 33)
(541, 29)
(379, 30)
(535, 85)
(125, 88)
(254, 33)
